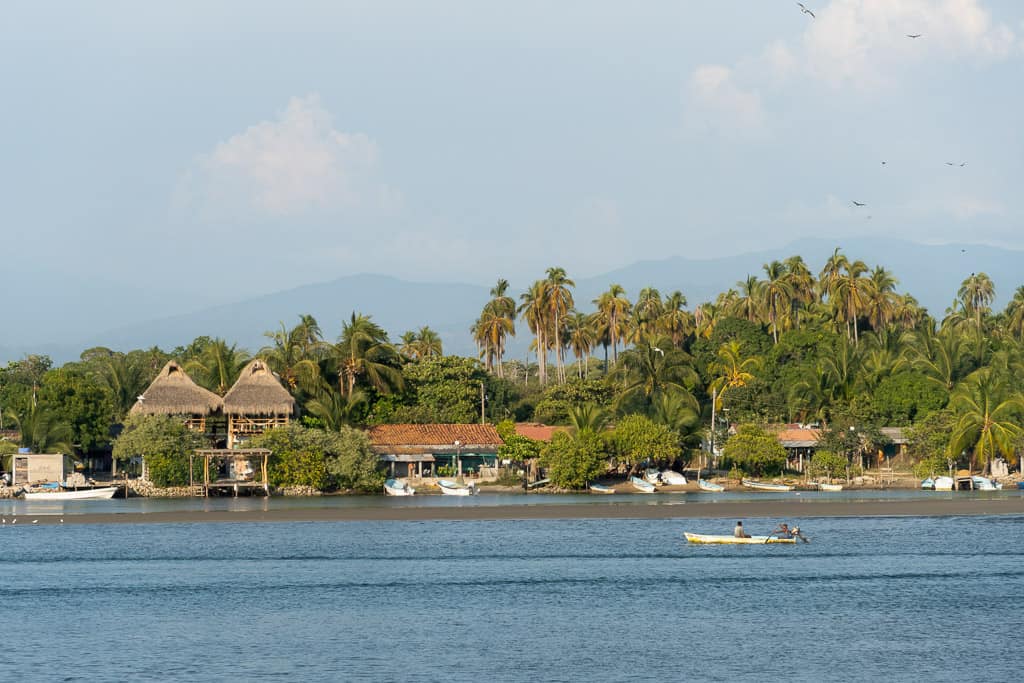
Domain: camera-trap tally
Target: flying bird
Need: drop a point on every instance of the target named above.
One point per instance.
(806, 11)
(856, 203)
(913, 35)
(963, 164)
(963, 251)
(883, 163)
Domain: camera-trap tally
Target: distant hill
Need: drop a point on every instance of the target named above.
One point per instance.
(929, 272)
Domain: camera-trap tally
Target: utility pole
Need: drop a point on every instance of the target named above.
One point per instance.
(481, 402)
(714, 403)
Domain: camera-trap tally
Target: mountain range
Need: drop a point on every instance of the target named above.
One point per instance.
(932, 273)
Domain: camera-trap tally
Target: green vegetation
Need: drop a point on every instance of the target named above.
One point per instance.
(634, 379)
(164, 442)
(754, 450)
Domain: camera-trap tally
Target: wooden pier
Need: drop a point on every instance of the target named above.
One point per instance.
(233, 471)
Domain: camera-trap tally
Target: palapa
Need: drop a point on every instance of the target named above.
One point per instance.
(258, 391)
(174, 393)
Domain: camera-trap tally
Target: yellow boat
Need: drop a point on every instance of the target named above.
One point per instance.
(709, 538)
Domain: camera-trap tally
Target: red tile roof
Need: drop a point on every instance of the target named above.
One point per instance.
(439, 437)
(537, 431)
(799, 437)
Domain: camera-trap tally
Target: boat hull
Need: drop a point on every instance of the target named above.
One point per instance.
(710, 487)
(82, 494)
(450, 488)
(761, 486)
(393, 487)
(599, 488)
(830, 487)
(711, 539)
(944, 483)
(673, 478)
(641, 485)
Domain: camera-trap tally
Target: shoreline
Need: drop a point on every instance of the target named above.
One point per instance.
(782, 509)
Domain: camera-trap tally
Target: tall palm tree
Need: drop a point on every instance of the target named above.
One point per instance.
(675, 321)
(1014, 315)
(335, 410)
(218, 365)
(614, 308)
(363, 353)
(647, 310)
(534, 311)
(582, 340)
(650, 369)
(295, 361)
(732, 368)
(423, 344)
(976, 293)
(41, 429)
(747, 304)
(880, 298)
(987, 414)
(777, 293)
(125, 379)
(801, 287)
(495, 324)
(559, 303)
(848, 295)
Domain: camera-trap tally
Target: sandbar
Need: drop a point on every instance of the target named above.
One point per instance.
(777, 509)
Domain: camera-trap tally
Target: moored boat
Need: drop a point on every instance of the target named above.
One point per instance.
(723, 539)
(985, 484)
(944, 483)
(393, 487)
(653, 476)
(928, 484)
(641, 485)
(451, 488)
(601, 488)
(58, 493)
(710, 486)
(830, 487)
(764, 486)
(673, 478)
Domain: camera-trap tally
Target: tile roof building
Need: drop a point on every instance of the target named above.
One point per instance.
(416, 450)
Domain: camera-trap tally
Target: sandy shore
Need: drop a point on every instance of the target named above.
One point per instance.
(775, 509)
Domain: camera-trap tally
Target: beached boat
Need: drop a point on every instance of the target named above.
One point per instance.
(673, 478)
(710, 486)
(393, 487)
(451, 488)
(653, 476)
(601, 488)
(762, 486)
(985, 484)
(830, 487)
(753, 540)
(58, 493)
(1020, 484)
(641, 485)
(944, 483)
(928, 484)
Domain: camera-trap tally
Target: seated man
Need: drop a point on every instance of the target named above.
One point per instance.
(738, 532)
(783, 531)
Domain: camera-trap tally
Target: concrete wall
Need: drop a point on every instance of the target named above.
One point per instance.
(38, 467)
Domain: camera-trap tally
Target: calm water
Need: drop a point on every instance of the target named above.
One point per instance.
(555, 600)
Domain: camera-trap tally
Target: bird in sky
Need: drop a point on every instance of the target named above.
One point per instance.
(950, 163)
(963, 164)
(856, 203)
(963, 251)
(913, 35)
(806, 11)
(883, 163)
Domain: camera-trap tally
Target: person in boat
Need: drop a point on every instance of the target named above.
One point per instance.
(783, 531)
(739, 532)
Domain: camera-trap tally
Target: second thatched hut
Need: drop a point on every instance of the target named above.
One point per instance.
(257, 402)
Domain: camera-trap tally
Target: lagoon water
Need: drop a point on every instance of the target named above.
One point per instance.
(902, 598)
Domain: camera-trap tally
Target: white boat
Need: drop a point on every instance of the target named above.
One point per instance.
(393, 487)
(673, 478)
(451, 488)
(944, 483)
(710, 486)
(653, 476)
(752, 540)
(762, 486)
(71, 494)
(928, 484)
(601, 488)
(830, 487)
(985, 484)
(641, 485)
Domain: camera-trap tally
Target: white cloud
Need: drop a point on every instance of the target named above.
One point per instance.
(717, 103)
(288, 166)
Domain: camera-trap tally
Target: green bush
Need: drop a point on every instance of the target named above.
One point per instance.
(755, 451)
(572, 460)
(826, 463)
(164, 442)
(320, 458)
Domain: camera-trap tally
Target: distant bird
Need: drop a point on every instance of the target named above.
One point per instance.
(655, 348)
(806, 11)
(963, 164)
(883, 163)
(963, 251)
(61, 520)
(140, 397)
(869, 218)
(950, 163)
(35, 521)
(856, 203)
(913, 35)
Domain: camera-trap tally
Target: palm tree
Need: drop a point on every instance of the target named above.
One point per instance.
(423, 344)
(748, 304)
(363, 352)
(732, 369)
(801, 286)
(335, 410)
(647, 310)
(588, 417)
(125, 379)
(218, 365)
(582, 339)
(294, 360)
(1014, 315)
(559, 303)
(675, 320)
(941, 357)
(614, 308)
(41, 429)
(976, 293)
(776, 290)
(881, 298)
(650, 369)
(534, 311)
(987, 417)
(489, 332)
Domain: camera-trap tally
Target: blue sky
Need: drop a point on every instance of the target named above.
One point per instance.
(194, 152)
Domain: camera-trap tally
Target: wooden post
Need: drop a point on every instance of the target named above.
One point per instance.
(206, 475)
(266, 482)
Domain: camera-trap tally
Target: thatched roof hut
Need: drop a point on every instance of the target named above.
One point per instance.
(258, 392)
(174, 393)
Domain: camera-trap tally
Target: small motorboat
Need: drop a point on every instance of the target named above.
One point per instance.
(763, 486)
(985, 484)
(393, 487)
(653, 476)
(601, 488)
(451, 488)
(710, 486)
(830, 487)
(752, 540)
(60, 493)
(944, 483)
(928, 484)
(673, 478)
(641, 485)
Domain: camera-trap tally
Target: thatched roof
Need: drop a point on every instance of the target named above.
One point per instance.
(258, 391)
(174, 393)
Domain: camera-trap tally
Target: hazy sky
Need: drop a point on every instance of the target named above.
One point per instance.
(243, 147)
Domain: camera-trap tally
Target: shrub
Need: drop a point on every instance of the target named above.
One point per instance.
(755, 451)
(165, 443)
(826, 463)
(574, 459)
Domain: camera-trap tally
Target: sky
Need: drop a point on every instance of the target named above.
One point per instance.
(190, 153)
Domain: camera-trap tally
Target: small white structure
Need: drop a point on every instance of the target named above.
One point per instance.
(34, 468)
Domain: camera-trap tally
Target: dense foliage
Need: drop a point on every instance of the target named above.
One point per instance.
(164, 442)
(320, 458)
(573, 460)
(754, 450)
